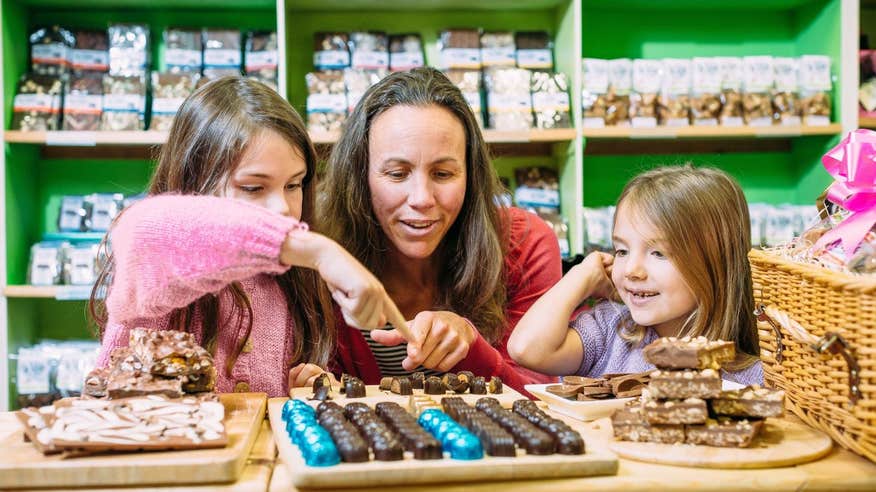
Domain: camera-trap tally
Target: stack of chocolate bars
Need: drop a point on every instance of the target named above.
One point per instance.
(164, 362)
(684, 402)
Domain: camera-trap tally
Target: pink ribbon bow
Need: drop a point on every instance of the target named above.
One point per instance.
(852, 163)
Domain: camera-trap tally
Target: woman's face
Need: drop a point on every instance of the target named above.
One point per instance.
(270, 174)
(417, 176)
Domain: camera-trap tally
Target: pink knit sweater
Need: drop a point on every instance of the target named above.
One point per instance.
(171, 250)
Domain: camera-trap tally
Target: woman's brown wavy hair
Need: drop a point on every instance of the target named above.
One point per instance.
(209, 136)
(471, 255)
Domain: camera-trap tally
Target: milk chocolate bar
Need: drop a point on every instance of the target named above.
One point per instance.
(629, 424)
(685, 384)
(169, 352)
(688, 411)
(752, 401)
(126, 384)
(689, 353)
(724, 432)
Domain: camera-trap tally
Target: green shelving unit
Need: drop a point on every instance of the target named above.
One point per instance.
(773, 167)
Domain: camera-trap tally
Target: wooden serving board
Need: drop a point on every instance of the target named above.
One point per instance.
(781, 443)
(597, 460)
(21, 465)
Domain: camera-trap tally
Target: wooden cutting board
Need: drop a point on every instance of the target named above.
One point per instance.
(21, 465)
(782, 443)
(597, 460)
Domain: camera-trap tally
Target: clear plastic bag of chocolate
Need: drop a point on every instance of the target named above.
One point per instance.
(550, 100)
(261, 59)
(129, 49)
(534, 50)
(647, 77)
(169, 90)
(469, 83)
(222, 53)
(757, 83)
(786, 101)
(357, 81)
(50, 50)
(731, 91)
(405, 52)
(124, 103)
(705, 101)
(91, 51)
(593, 94)
(460, 48)
(509, 102)
(673, 104)
(326, 101)
(617, 100)
(331, 50)
(815, 89)
(369, 50)
(83, 102)
(183, 50)
(37, 104)
(498, 49)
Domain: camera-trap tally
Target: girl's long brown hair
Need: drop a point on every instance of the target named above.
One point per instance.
(471, 255)
(209, 136)
(702, 216)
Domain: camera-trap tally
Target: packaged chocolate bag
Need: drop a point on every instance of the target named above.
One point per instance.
(498, 49)
(261, 57)
(326, 101)
(83, 102)
(757, 84)
(594, 93)
(129, 49)
(647, 80)
(786, 103)
(169, 90)
(405, 52)
(617, 100)
(469, 83)
(815, 89)
(124, 103)
(550, 100)
(731, 91)
(357, 81)
(183, 50)
(222, 52)
(534, 50)
(673, 105)
(331, 50)
(91, 51)
(37, 104)
(509, 103)
(50, 50)
(369, 50)
(705, 102)
(460, 48)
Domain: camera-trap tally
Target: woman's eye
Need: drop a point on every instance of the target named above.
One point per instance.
(443, 174)
(396, 174)
(250, 189)
(293, 186)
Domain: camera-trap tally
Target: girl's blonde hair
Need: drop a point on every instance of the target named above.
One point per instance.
(210, 134)
(703, 219)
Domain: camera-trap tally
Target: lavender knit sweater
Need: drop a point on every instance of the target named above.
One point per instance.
(605, 352)
(171, 250)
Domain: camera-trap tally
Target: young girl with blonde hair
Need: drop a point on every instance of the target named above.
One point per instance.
(680, 268)
(221, 248)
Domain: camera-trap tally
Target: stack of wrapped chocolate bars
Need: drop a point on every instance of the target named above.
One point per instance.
(165, 362)
(684, 402)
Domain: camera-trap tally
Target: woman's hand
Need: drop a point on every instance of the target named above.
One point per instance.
(303, 375)
(441, 340)
(357, 291)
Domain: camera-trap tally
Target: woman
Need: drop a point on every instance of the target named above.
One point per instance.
(411, 193)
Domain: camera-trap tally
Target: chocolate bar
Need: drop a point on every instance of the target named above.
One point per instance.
(688, 411)
(169, 352)
(685, 384)
(752, 401)
(724, 432)
(121, 384)
(198, 383)
(629, 424)
(689, 353)
(95, 382)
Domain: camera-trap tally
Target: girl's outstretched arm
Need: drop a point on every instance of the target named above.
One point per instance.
(543, 340)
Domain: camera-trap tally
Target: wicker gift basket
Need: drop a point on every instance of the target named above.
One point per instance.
(817, 331)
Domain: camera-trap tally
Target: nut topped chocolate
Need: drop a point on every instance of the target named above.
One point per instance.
(169, 352)
(751, 402)
(689, 353)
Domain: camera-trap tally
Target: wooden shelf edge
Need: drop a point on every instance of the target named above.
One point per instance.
(138, 138)
(664, 132)
(60, 292)
(867, 123)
